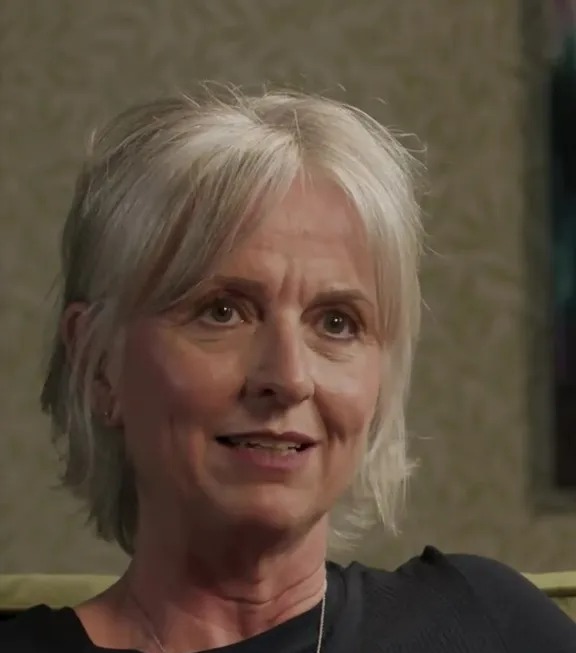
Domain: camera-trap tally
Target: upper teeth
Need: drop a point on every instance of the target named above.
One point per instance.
(281, 445)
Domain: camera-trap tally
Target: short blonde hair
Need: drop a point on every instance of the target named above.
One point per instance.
(162, 195)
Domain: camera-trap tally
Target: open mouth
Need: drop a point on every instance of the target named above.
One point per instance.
(267, 444)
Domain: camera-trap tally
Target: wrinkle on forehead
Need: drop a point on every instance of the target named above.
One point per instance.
(313, 237)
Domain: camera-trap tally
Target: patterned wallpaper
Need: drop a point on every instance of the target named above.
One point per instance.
(456, 73)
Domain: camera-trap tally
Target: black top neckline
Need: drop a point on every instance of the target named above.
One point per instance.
(297, 635)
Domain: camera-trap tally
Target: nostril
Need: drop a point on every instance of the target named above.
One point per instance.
(283, 391)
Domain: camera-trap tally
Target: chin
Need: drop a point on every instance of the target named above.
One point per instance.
(271, 514)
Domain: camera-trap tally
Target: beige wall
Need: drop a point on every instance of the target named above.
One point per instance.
(453, 72)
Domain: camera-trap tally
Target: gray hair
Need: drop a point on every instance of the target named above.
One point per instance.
(162, 196)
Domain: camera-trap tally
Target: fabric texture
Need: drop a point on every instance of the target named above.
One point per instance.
(434, 602)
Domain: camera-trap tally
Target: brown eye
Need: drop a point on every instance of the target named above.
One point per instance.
(339, 325)
(222, 312)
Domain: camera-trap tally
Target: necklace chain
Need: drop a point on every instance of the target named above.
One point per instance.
(162, 649)
(322, 616)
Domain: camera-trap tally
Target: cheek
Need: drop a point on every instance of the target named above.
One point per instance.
(349, 398)
(173, 387)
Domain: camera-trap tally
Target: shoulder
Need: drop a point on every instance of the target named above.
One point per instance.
(522, 616)
(40, 630)
(515, 604)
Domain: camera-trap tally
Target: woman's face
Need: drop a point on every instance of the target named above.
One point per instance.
(251, 402)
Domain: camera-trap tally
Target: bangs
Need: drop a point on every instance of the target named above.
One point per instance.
(394, 246)
(204, 221)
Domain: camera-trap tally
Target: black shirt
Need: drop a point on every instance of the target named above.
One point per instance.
(433, 603)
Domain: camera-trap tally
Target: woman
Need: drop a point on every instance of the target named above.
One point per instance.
(239, 309)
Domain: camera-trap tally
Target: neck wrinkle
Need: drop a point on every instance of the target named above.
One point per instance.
(210, 602)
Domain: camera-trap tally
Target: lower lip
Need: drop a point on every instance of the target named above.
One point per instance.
(267, 459)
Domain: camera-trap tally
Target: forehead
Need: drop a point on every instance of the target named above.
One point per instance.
(319, 206)
(316, 222)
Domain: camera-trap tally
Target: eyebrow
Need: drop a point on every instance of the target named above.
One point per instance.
(237, 283)
(252, 286)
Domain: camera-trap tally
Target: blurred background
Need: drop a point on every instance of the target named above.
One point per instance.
(469, 78)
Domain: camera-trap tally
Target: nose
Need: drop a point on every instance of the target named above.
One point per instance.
(279, 372)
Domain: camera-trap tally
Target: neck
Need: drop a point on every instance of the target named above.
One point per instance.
(208, 592)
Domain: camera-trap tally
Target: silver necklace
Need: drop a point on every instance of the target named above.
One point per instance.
(154, 637)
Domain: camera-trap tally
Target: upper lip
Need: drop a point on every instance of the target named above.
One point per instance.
(286, 436)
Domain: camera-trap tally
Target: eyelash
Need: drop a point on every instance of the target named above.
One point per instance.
(211, 302)
(355, 323)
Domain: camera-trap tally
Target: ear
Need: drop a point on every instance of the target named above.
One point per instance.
(75, 323)
(73, 327)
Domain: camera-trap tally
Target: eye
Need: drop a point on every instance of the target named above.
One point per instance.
(337, 324)
(221, 311)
